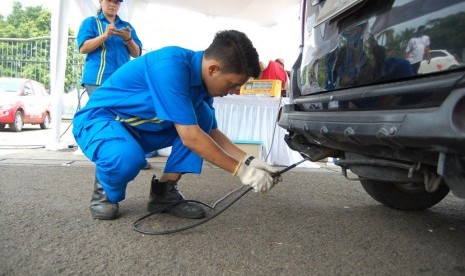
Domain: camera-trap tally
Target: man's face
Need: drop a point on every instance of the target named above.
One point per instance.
(221, 84)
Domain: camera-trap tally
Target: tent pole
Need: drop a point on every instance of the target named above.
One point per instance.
(58, 54)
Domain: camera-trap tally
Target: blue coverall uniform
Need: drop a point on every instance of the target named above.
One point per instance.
(105, 60)
(148, 95)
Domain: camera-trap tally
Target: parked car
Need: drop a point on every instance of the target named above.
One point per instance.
(439, 60)
(23, 101)
(356, 98)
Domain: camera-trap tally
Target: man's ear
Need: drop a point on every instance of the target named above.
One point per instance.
(213, 69)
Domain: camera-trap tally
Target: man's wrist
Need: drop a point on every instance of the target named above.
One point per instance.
(237, 168)
(125, 42)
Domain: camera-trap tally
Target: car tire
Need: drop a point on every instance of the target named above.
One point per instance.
(404, 196)
(46, 122)
(18, 123)
(2, 126)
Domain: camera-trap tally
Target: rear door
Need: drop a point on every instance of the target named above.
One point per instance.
(42, 101)
(28, 100)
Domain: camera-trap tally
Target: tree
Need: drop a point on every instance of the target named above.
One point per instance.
(25, 47)
(447, 33)
(26, 23)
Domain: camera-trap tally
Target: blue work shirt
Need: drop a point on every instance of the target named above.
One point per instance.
(151, 93)
(106, 59)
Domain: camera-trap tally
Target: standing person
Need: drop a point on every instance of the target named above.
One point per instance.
(418, 49)
(275, 71)
(165, 98)
(108, 43)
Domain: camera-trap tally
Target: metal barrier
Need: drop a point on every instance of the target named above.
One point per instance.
(30, 58)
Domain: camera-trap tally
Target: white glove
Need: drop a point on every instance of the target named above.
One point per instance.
(259, 179)
(259, 164)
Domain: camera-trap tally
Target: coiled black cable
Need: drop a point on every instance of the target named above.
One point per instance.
(212, 207)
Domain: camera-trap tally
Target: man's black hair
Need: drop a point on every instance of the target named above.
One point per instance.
(421, 29)
(236, 53)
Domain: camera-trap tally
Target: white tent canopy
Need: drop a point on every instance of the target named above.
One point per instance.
(262, 12)
(258, 19)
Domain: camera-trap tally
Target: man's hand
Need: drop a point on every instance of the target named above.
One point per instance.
(259, 164)
(258, 177)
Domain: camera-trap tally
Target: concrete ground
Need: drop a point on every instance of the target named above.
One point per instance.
(313, 223)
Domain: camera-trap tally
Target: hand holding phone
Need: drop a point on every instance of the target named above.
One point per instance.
(124, 33)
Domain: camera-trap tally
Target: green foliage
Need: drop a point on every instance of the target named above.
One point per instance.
(447, 33)
(444, 33)
(25, 47)
(26, 23)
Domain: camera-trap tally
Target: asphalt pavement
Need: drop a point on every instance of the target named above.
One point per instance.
(313, 223)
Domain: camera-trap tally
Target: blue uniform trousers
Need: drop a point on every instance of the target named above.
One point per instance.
(118, 150)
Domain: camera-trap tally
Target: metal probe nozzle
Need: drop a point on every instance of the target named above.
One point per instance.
(276, 174)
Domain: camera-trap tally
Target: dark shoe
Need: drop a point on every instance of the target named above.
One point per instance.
(100, 206)
(148, 166)
(163, 194)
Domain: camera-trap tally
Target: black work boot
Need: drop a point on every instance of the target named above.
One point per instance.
(163, 194)
(100, 206)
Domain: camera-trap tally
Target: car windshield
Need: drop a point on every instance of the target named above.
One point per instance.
(9, 85)
(434, 54)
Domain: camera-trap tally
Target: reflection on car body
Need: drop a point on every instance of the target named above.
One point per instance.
(440, 60)
(23, 101)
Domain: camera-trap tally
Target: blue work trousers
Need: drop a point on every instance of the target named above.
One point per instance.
(118, 151)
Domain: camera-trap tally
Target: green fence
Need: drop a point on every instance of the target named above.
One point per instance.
(30, 58)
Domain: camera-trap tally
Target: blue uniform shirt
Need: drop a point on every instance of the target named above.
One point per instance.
(151, 93)
(106, 59)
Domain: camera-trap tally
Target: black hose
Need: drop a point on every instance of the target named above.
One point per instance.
(212, 207)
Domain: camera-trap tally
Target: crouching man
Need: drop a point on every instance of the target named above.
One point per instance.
(164, 98)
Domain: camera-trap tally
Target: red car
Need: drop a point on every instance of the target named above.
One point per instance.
(23, 101)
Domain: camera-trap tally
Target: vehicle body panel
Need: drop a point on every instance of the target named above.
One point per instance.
(360, 94)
